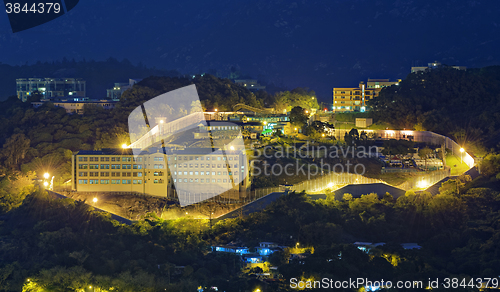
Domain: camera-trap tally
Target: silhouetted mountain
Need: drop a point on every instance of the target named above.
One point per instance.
(318, 44)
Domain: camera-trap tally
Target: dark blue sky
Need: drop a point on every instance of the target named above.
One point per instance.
(318, 44)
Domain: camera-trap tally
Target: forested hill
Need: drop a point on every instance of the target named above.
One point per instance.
(214, 92)
(47, 135)
(461, 104)
(100, 75)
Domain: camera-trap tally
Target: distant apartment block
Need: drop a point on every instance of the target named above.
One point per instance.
(434, 65)
(250, 84)
(76, 105)
(353, 99)
(50, 87)
(155, 173)
(119, 88)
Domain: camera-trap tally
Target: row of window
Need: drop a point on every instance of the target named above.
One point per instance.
(114, 159)
(185, 165)
(203, 158)
(107, 166)
(202, 180)
(160, 158)
(115, 181)
(124, 174)
(204, 173)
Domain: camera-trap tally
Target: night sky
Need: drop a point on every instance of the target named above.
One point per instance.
(316, 44)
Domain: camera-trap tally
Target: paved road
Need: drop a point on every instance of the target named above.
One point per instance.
(255, 206)
(113, 216)
(364, 189)
(434, 189)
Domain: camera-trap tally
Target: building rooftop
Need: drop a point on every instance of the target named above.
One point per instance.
(153, 150)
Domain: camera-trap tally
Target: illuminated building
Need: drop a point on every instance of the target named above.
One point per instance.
(154, 173)
(119, 88)
(50, 87)
(353, 99)
(434, 65)
(76, 105)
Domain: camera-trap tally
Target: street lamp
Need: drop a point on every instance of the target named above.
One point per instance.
(45, 184)
(94, 200)
(46, 175)
(462, 150)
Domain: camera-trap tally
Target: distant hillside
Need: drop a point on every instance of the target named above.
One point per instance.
(462, 104)
(214, 92)
(100, 75)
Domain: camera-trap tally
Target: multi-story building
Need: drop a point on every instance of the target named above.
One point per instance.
(353, 99)
(76, 105)
(434, 65)
(50, 87)
(250, 84)
(193, 172)
(119, 88)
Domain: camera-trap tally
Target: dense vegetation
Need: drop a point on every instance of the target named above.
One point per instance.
(62, 245)
(461, 104)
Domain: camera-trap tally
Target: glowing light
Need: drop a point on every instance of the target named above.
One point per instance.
(216, 110)
(307, 112)
(390, 132)
(45, 184)
(46, 175)
(186, 213)
(124, 146)
(322, 135)
(295, 129)
(462, 150)
(330, 185)
(232, 147)
(94, 200)
(161, 121)
(422, 184)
